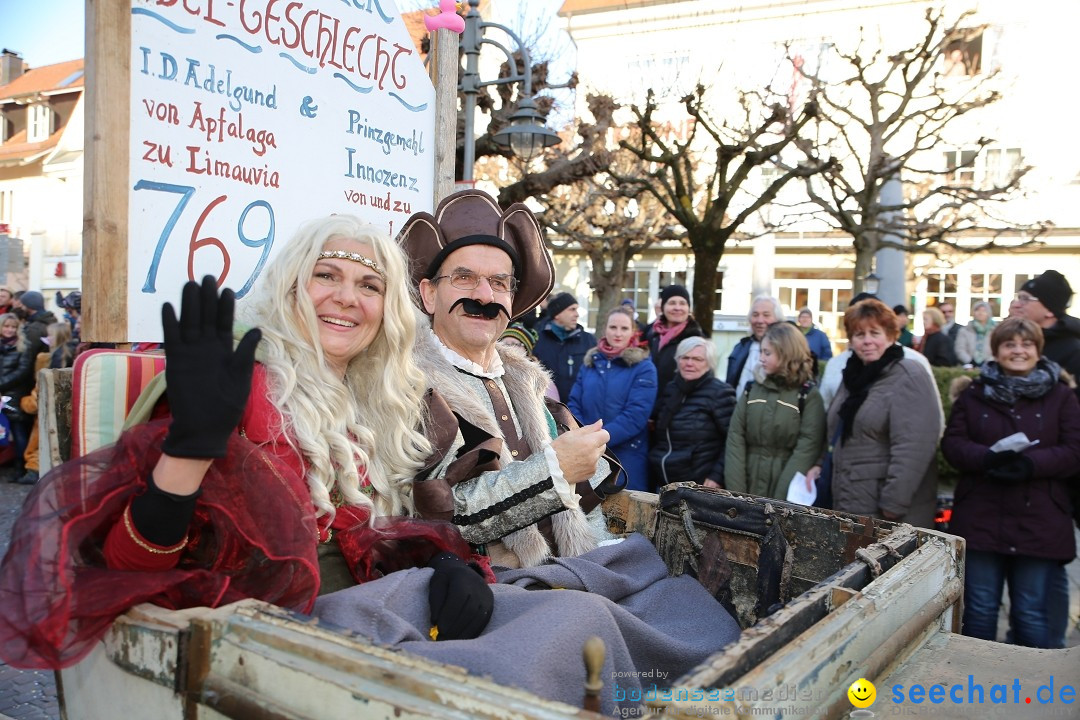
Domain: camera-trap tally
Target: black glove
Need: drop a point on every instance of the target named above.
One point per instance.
(997, 459)
(208, 382)
(460, 599)
(1016, 470)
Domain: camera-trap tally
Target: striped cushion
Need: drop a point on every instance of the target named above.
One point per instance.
(105, 386)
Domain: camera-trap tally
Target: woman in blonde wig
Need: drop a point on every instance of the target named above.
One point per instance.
(274, 474)
(346, 409)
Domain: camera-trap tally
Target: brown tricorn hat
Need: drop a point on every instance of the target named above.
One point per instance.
(472, 217)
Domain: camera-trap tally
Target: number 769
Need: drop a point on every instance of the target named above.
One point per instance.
(196, 242)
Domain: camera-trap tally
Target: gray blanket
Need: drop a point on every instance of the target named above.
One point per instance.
(655, 627)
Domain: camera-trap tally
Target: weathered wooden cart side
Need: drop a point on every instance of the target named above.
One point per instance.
(255, 660)
(824, 599)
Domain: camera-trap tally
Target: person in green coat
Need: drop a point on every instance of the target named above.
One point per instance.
(778, 428)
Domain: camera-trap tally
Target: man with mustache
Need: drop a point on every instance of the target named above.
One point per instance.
(516, 475)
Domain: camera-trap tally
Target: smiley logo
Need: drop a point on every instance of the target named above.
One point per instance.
(862, 693)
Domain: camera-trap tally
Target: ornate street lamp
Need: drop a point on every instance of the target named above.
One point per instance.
(526, 135)
(871, 283)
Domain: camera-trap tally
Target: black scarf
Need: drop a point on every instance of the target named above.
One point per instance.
(684, 388)
(858, 377)
(1007, 389)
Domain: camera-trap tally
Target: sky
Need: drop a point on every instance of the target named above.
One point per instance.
(42, 32)
(51, 31)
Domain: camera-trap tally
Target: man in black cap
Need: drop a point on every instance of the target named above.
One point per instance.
(563, 343)
(1043, 300)
(516, 475)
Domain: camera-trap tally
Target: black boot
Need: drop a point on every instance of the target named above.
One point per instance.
(30, 478)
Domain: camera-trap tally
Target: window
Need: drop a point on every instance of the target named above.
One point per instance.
(769, 173)
(963, 53)
(637, 289)
(7, 203)
(941, 288)
(718, 302)
(39, 123)
(986, 287)
(672, 278)
(793, 299)
(1001, 165)
(960, 166)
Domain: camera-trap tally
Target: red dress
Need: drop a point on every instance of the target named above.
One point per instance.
(254, 535)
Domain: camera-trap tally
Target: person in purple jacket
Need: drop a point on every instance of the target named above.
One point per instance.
(1013, 507)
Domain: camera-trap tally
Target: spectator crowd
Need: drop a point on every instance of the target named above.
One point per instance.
(863, 437)
(31, 339)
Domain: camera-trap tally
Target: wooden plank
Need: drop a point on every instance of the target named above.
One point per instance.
(631, 511)
(443, 68)
(99, 689)
(867, 636)
(265, 651)
(106, 172)
(54, 417)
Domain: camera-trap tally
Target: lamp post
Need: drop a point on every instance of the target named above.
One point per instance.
(526, 135)
(871, 283)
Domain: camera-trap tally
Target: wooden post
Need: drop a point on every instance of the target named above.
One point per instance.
(105, 174)
(443, 69)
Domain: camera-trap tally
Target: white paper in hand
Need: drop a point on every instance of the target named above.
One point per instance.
(797, 492)
(1017, 441)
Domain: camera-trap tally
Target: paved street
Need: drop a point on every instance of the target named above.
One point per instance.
(31, 695)
(24, 694)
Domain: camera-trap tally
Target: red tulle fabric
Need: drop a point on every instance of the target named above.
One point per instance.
(254, 535)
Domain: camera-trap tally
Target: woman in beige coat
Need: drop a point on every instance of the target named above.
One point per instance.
(883, 425)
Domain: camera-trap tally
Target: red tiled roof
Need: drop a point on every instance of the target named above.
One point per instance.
(44, 79)
(16, 150)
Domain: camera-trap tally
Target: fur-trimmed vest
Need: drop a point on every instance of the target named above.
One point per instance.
(515, 493)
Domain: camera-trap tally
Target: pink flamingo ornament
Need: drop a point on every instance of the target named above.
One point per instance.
(448, 18)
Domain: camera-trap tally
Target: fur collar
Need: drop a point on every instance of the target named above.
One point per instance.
(525, 382)
(630, 355)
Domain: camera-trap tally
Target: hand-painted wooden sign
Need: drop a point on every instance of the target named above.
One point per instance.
(249, 117)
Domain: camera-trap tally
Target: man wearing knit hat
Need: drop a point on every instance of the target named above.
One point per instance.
(1043, 300)
(563, 343)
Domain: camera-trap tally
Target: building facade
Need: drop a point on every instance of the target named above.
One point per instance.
(41, 173)
(627, 47)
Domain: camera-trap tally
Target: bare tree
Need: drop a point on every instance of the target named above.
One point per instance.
(610, 221)
(566, 163)
(880, 120)
(571, 161)
(701, 179)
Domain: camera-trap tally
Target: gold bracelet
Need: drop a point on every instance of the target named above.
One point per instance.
(146, 546)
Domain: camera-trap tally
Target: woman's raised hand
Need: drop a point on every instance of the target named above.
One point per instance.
(208, 381)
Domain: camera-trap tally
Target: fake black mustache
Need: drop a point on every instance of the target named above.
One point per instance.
(489, 310)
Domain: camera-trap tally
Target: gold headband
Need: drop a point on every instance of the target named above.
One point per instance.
(355, 257)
